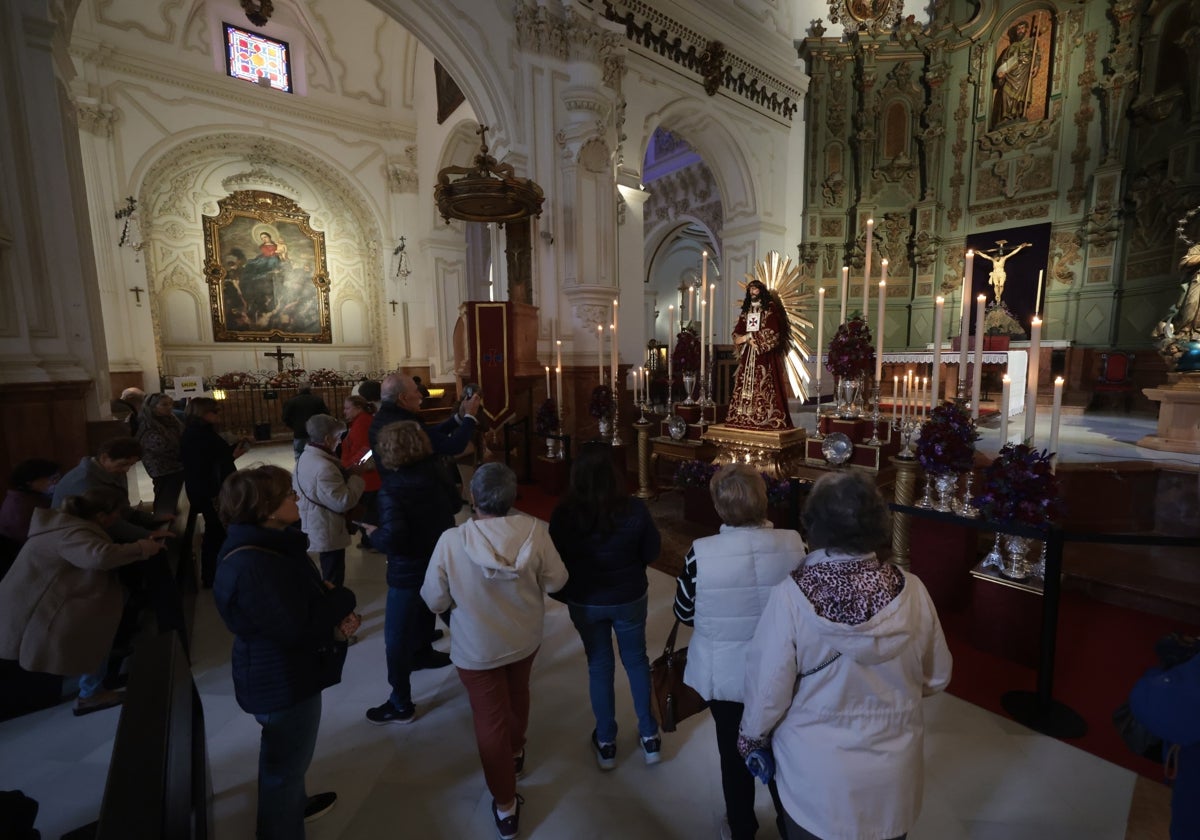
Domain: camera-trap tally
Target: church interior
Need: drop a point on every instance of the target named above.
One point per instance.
(562, 203)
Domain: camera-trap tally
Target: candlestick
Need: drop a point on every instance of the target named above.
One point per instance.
(845, 291)
(867, 271)
(977, 373)
(939, 306)
(547, 381)
(1037, 300)
(712, 320)
(1005, 392)
(904, 402)
(612, 356)
(964, 326)
(703, 321)
(1055, 416)
(895, 395)
(600, 352)
(879, 329)
(1031, 378)
(820, 347)
(615, 346)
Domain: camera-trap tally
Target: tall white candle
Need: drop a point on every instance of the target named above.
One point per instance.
(600, 352)
(1031, 379)
(615, 339)
(939, 306)
(977, 373)
(845, 291)
(1005, 394)
(867, 271)
(1055, 416)
(703, 321)
(691, 303)
(612, 356)
(670, 347)
(964, 326)
(895, 395)
(558, 388)
(712, 321)
(1037, 300)
(820, 334)
(924, 396)
(879, 331)
(547, 381)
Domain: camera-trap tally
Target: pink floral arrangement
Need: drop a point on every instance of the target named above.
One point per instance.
(289, 378)
(851, 352)
(686, 357)
(233, 380)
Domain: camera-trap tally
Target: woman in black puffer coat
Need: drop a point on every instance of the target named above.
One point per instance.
(415, 507)
(607, 539)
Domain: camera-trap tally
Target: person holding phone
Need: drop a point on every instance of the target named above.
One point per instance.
(356, 452)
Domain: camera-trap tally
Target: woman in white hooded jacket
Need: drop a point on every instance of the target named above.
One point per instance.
(845, 650)
(494, 571)
(326, 491)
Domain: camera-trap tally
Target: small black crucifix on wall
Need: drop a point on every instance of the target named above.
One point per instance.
(393, 304)
(279, 356)
(137, 293)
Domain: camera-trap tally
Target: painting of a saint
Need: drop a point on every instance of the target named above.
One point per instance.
(867, 11)
(266, 271)
(1021, 71)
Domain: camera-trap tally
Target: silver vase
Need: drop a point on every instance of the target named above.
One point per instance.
(689, 385)
(849, 389)
(1016, 564)
(945, 484)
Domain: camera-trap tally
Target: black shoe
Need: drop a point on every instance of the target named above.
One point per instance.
(319, 805)
(508, 827)
(606, 754)
(437, 634)
(651, 749)
(431, 660)
(388, 713)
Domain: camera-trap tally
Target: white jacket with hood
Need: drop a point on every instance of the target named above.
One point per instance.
(848, 739)
(495, 573)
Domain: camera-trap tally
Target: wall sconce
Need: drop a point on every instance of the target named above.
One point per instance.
(400, 252)
(131, 234)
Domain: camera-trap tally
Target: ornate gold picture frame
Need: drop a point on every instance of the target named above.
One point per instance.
(266, 272)
(868, 11)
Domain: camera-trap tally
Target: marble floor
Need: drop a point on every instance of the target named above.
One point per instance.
(986, 777)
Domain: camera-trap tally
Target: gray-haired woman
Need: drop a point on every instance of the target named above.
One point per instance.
(725, 584)
(327, 492)
(846, 648)
(160, 432)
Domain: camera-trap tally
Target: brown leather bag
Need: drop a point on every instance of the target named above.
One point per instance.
(674, 700)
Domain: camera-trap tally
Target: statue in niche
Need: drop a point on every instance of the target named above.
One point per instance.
(1019, 73)
(1180, 329)
(999, 276)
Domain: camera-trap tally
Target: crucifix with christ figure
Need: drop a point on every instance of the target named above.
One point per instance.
(279, 356)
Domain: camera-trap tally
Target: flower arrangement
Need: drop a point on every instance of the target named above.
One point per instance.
(546, 421)
(686, 357)
(947, 440)
(851, 352)
(779, 490)
(1019, 488)
(695, 473)
(233, 380)
(324, 376)
(289, 378)
(601, 404)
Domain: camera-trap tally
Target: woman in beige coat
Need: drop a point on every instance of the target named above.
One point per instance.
(61, 602)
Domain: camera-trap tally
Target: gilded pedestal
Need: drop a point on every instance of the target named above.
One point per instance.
(776, 453)
(645, 491)
(906, 484)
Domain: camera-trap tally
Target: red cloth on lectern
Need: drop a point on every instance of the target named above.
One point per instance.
(490, 345)
(759, 398)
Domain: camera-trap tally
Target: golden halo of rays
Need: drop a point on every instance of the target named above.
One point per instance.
(777, 273)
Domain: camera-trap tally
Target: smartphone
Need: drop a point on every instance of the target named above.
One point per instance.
(469, 391)
(366, 457)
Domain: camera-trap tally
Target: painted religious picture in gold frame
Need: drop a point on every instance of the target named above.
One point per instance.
(868, 11)
(1021, 70)
(266, 272)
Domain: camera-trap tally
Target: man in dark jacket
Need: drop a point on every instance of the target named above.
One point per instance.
(296, 412)
(400, 401)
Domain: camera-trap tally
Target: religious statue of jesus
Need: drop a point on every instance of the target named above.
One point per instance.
(762, 335)
(998, 277)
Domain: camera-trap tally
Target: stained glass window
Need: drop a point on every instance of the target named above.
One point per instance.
(257, 58)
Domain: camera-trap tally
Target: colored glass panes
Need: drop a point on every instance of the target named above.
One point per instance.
(257, 58)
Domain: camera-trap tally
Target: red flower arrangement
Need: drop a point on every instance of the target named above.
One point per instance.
(233, 380)
(546, 422)
(1020, 488)
(289, 378)
(324, 376)
(851, 352)
(601, 404)
(686, 356)
(947, 441)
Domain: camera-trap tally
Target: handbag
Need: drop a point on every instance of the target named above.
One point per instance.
(331, 658)
(674, 700)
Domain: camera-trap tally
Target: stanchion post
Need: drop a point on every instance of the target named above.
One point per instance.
(906, 484)
(643, 455)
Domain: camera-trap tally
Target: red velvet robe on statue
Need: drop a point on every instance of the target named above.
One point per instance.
(759, 397)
